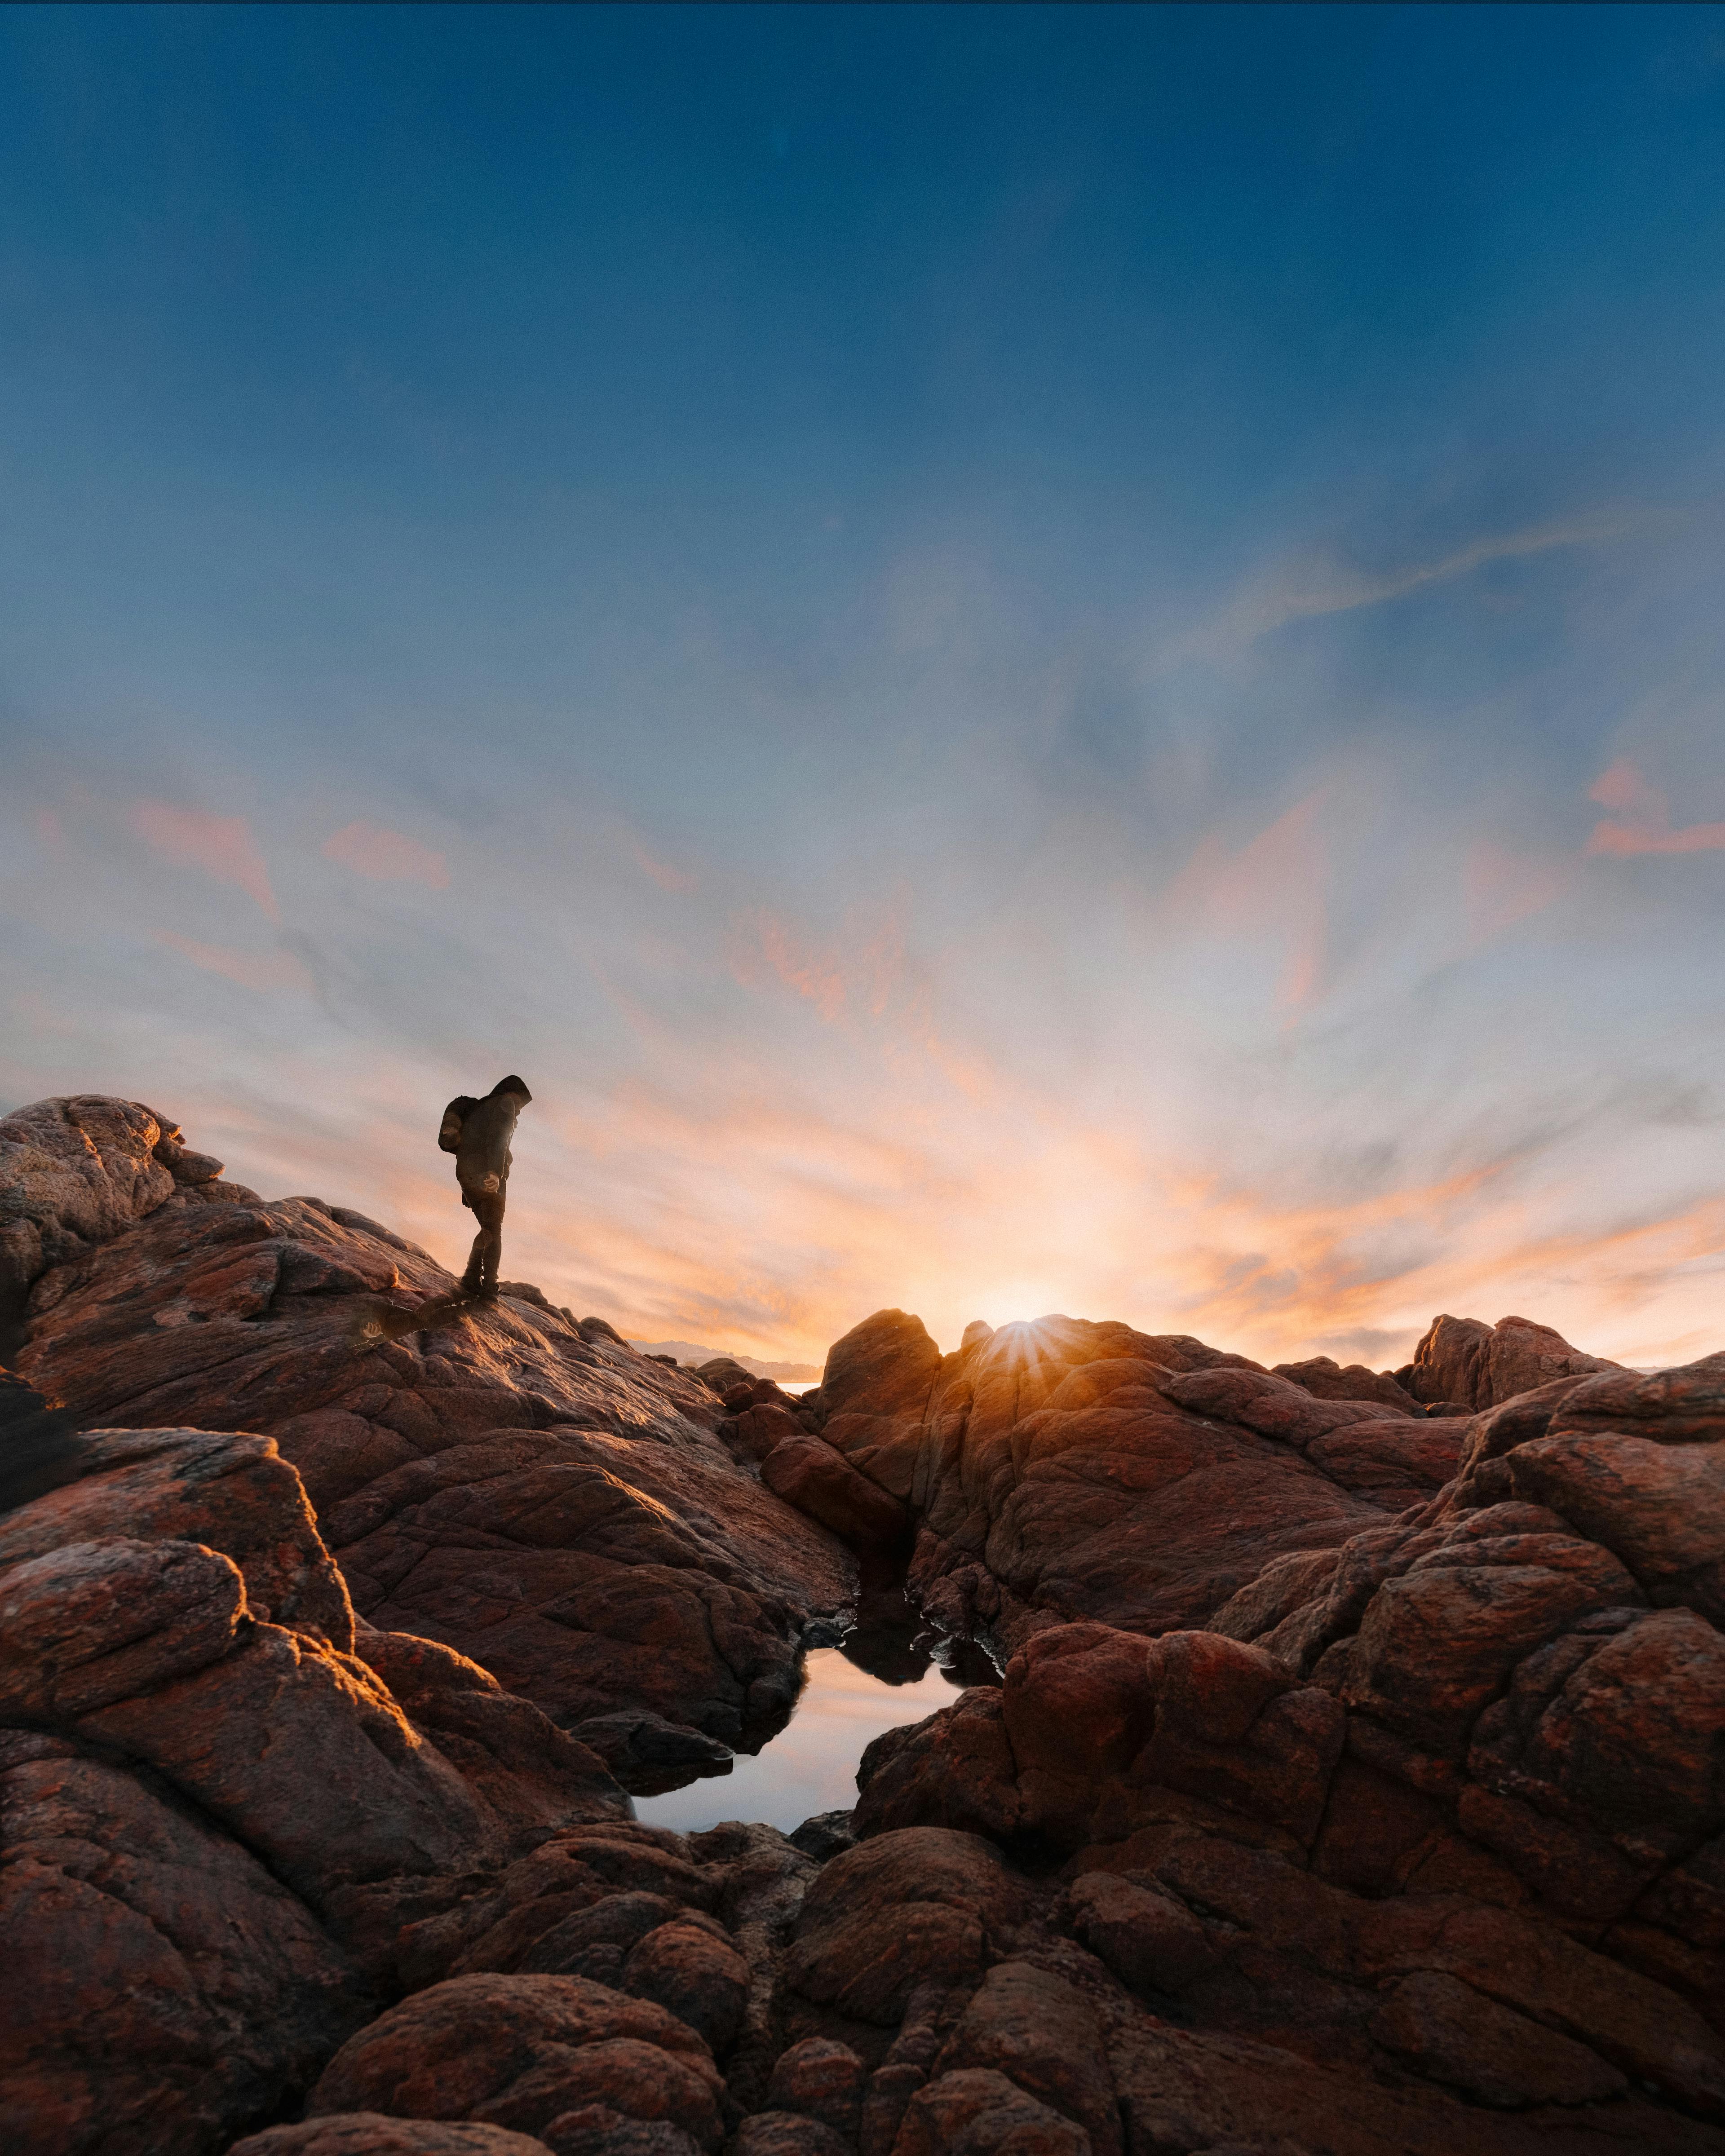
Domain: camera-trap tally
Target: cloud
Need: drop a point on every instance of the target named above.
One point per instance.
(266, 971)
(1500, 888)
(817, 975)
(662, 873)
(1273, 888)
(1648, 830)
(1301, 590)
(222, 846)
(385, 856)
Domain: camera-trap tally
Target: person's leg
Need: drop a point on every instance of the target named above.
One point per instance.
(488, 1246)
(472, 1279)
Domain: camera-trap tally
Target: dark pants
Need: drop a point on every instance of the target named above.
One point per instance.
(481, 1274)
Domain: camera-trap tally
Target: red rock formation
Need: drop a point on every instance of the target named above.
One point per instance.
(1357, 1785)
(533, 1494)
(1481, 1366)
(1039, 1461)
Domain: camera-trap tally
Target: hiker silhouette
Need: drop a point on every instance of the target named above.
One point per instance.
(477, 1133)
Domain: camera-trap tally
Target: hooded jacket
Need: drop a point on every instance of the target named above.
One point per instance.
(477, 1133)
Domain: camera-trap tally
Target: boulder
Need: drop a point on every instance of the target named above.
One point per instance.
(1461, 1359)
(371, 2133)
(163, 1985)
(523, 2051)
(809, 1473)
(821, 2080)
(895, 1913)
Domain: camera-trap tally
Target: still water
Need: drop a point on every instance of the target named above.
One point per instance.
(892, 1668)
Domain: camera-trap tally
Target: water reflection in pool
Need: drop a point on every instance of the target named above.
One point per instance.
(891, 1669)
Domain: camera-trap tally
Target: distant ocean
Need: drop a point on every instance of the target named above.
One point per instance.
(689, 1351)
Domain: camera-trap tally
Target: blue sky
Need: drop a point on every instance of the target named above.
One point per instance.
(1026, 658)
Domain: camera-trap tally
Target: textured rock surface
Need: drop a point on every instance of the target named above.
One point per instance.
(532, 1493)
(215, 1817)
(73, 1172)
(371, 2133)
(1440, 1811)
(1356, 1787)
(523, 2051)
(1481, 1366)
(1039, 1461)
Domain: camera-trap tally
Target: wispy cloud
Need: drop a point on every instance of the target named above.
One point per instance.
(1644, 825)
(1273, 890)
(1303, 588)
(1501, 887)
(222, 846)
(385, 856)
(665, 874)
(266, 971)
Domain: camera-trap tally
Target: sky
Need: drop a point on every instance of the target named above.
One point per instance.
(1023, 659)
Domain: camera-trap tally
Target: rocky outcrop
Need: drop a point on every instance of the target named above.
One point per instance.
(215, 1814)
(74, 1174)
(1474, 1365)
(1356, 1788)
(529, 1491)
(1445, 1805)
(1041, 1463)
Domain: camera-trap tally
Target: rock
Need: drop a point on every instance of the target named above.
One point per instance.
(955, 1770)
(903, 1910)
(645, 1751)
(753, 1433)
(1321, 1377)
(1150, 1940)
(1448, 2031)
(41, 1446)
(696, 1975)
(595, 2129)
(1480, 1366)
(1683, 1406)
(370, 2134)
(1095, 1726)
(1032, 2026)
(541, 1499)
(977, 2111)
(1660, 1508)
(1355, 1783)
(824, 1835)
(527, 1770)
(1396, 1464)
(787, 2134)
(1040, 1462)
(232, 1493)
(574, 1905)
(73, 1172)
(161, 1986)
(522, 2051)
(809, 1473)
(823, 2080)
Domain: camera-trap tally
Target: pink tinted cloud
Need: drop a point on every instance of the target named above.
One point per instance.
(818, 976)
(1274, 888)
(385, 856)
(662, 873)
(1500, 888)
(222, 846)
(265, 971)
(1647, 825)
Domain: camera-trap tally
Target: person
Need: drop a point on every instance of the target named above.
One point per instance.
(477, 1133)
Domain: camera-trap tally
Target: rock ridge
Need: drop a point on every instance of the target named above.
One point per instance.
(1356, 1787)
